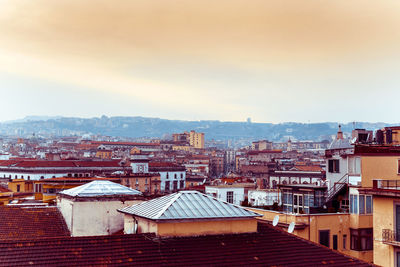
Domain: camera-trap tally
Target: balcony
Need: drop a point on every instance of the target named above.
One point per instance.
(390, 237)
(387, 188)
(386, 184)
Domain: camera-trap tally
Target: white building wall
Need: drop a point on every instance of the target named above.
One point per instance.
(221, 193)
(30, 176)
(264, 198)
(334, 177)
(88, 218)
(172, 176)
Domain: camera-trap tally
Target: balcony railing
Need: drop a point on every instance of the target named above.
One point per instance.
(390, 236)
(386, 184)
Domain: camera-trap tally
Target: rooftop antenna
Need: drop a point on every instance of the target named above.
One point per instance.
(291, 228)
(275, 221)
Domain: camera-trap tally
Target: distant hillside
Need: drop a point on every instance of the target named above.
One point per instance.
(136, 127)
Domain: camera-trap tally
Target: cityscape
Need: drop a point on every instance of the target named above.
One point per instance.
(199, 133)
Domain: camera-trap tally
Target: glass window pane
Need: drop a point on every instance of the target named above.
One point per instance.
(306, 200)
(369, 204)
(351, 204)
(355, 199)
(362, 204)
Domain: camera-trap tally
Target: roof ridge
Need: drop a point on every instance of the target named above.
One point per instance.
(178, 194)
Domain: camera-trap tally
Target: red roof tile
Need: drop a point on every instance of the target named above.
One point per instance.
(58, 163)
(312, 168)
(123, 143)
(30, 223)
(269, 247)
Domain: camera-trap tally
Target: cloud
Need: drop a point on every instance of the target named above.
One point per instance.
(215, 59)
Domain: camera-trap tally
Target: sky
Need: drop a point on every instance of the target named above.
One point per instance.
(271, 61)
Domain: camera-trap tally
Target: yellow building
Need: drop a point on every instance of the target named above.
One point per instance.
(20, 185)
(334, 230)
(196, 140)
(386, 221)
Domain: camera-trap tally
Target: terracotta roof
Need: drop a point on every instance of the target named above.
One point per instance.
(255, 152)
(58, 163)
(124, 143)
(163, 164)
(312, 168)
(5, 190)
(30, 223)
(269, 247)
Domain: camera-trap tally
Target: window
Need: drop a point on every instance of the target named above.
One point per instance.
(229, 196)
(18, 188)
(167, 186)
(324, 238)
(145, 181)
(368, 204)
(361, 239)
(333, 165)
(319, 199)
(175, 185)
(344, 241)
(167, 175)
(182, 184)
(175, 175)
(362, 204)
(334, 241)
(353, 204)
(181, 175)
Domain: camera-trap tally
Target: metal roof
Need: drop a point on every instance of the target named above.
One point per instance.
(340, 144)
(187, 205)
(100, 188)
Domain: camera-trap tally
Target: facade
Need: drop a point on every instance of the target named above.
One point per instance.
(172, 176)
(196, 140)
(229, 193)
(147, 183)
(338, 231)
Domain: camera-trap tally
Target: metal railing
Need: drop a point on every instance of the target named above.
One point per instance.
(337, 187)
(386, 184)
(390, 236)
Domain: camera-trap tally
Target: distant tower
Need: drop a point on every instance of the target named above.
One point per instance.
(248, 120)
(339, 133)
(289, 145)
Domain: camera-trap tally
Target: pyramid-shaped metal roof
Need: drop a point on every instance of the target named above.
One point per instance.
(187, 205)
(100, 188)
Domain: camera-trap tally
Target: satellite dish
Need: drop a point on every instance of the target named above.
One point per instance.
(276, 220)
(291, 227)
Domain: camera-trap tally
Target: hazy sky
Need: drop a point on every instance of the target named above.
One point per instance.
(273, 61)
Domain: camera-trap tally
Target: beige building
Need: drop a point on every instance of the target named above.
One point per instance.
(196, 140)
